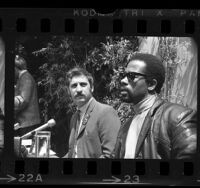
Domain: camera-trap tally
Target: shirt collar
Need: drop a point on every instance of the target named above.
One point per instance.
(145, 104)
(85, 106)
(22, 72)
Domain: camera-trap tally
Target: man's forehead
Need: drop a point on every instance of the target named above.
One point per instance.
(136, 66)
(80, 78)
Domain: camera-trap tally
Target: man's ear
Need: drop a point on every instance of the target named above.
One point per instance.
(152, 85)
(92, 89)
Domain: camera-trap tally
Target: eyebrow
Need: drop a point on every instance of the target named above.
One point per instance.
(79, 83)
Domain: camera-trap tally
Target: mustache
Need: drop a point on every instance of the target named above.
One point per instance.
(79, 95)
(122, 88)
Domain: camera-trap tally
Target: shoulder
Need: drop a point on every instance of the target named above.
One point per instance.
(26, 76)
(105, 111)
(175, 112)
(104, 108)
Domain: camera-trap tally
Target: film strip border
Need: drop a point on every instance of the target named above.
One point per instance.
(60, 171)
(78, 21)
(115, 26)
(174, 172)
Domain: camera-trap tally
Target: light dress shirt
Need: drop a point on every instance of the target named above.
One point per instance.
(141, 109)
(82, 114)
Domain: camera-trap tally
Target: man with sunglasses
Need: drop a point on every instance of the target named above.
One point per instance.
(159, 129)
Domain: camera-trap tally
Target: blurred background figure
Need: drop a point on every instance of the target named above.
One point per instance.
(1, 132)
(26, 101)
(2, 75)
(2, 93)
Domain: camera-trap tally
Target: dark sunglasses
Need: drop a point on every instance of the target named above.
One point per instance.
(130, 75)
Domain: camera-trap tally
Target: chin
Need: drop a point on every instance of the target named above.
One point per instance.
(126, 99)
(81, 103)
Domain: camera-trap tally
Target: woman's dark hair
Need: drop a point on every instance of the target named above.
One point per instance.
(154, 68)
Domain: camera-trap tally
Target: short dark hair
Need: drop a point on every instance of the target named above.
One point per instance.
(78, 71)
(154, 68)
(21, 63)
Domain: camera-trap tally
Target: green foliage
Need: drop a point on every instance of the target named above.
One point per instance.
(104, 57)
(168, 50)
(168, 53)
(106, 63)
(174, 52)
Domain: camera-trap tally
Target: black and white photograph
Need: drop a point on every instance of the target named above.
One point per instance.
(117, 97)
(2, 94)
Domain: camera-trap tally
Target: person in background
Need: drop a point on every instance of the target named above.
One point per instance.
(2, 119)
(159, 129)
(94, 126)
(26, 105)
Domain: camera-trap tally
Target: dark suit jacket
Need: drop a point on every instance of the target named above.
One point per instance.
(168, 132)
(98, 133)
(60, 135)
(27, 112)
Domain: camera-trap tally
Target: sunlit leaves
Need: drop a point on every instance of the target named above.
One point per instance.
(104, 57)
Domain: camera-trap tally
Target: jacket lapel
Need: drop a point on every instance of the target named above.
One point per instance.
(146, 125)
(86, 116)
(143, 133)
(75, 126)
(124, 136)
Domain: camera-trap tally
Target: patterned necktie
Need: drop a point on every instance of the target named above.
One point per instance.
(74, 154)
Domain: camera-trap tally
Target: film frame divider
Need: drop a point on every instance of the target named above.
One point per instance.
(54, 171)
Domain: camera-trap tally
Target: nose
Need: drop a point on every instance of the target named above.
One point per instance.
(78, 88)
(124, 81)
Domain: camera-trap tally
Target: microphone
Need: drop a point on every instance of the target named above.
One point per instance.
(50, 123)
(16, 126)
